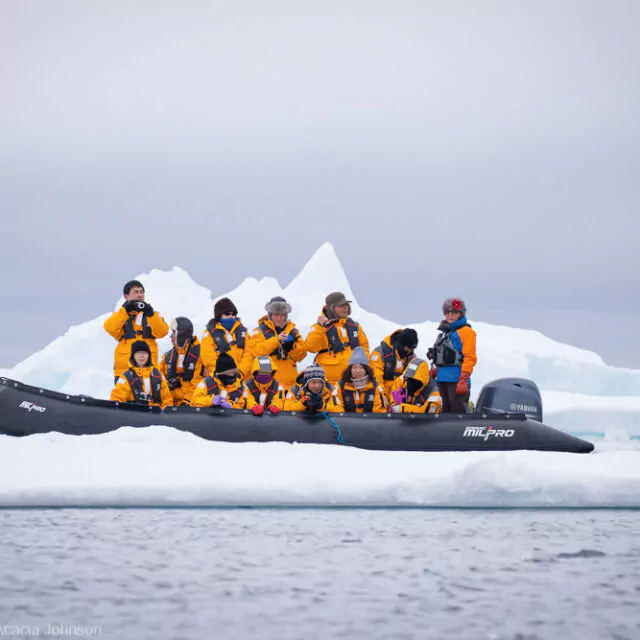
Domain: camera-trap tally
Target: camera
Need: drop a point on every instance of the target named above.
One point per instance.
(141, 305)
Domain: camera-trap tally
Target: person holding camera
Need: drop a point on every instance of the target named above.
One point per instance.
(134, 320)
(278, 337)
(142, 383)
(335, 337)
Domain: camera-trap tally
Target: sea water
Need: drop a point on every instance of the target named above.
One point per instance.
(320, 573)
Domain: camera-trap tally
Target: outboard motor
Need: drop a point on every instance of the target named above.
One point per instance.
(511, 395)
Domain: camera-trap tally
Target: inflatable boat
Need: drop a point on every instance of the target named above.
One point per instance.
(508, 417)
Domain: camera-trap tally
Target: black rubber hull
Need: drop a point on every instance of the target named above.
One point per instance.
(26, 410)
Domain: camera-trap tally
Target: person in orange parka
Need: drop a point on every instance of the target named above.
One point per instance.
(223, 389)
(181, 365)
(359, 391)
(134, 320)
(277, 336)
(335, 336)
(315, 395)
(142, 382)
(225, 333)
(414, 391)
(262, 390)
(454, 356)
(390, 359)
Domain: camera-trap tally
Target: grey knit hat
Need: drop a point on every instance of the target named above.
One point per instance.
(359, 356)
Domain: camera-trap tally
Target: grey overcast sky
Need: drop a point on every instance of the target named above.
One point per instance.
(485, 148)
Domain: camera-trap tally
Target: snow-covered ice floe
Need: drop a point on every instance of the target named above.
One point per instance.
(159, 466)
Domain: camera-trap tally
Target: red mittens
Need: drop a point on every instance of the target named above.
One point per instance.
(258, 409)
(462, 388)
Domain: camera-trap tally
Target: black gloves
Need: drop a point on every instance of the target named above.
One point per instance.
(313, 402)
(144, 398)
(174, 383)
(135, 306)
(287, 346)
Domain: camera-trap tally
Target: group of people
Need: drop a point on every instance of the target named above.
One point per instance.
(232, 368)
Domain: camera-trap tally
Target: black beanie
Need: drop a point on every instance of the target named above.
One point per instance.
(407, 338)
(224, 305)
(225, 363)
(139, 345)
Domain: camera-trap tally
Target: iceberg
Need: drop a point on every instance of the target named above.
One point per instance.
(159, 466)
(80, 361)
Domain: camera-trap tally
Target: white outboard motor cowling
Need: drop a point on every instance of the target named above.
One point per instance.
(511, 395)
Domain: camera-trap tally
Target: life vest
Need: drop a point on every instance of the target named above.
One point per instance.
(335, 341)
(256, 393)
(135, 382)
(281, 351)
(213, 389)
(390, 360)
(295, 391)
(422, 398)
(130, 332)
(446, 354)
(188, 364)
(349, 398)
(219, 337)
